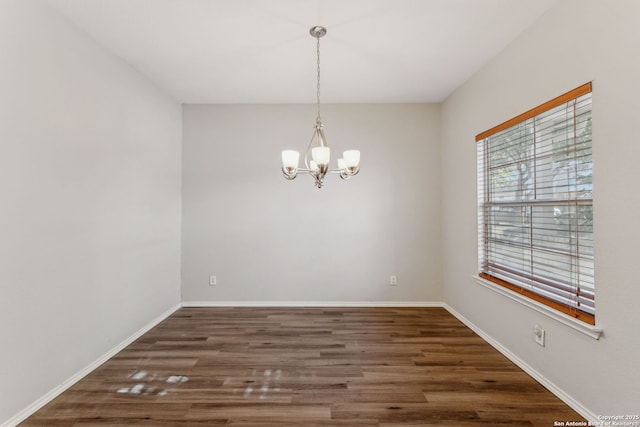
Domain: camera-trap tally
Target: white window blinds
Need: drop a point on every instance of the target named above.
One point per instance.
(535, 199)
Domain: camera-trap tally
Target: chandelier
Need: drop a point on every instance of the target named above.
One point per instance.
(316, 159)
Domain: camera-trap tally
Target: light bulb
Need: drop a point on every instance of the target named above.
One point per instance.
(321, 155)
(351, 158)
(290, 159)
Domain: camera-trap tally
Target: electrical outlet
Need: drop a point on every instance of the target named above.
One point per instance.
(213, 281)
(539, 333)
(393, 280)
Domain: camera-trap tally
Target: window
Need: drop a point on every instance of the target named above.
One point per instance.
(535, 204)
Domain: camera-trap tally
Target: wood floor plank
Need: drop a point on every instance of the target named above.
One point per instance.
(307, 366)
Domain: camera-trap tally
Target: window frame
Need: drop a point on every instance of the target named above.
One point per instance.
(573, 312)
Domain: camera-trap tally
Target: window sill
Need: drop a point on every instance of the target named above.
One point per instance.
(569, 321)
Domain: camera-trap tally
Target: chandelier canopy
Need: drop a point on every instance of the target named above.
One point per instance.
(318, 154)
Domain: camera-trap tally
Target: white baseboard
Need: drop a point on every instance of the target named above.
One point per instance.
(312, 304)
(557, 391)
(31, 409)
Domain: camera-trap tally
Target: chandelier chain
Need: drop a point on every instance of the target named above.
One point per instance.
(318, 118)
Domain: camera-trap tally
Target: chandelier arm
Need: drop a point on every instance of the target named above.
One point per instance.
(308, 152)
(341, 171)
(303, 170)
(306, 160)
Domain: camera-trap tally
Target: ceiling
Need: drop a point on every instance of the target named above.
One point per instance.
(260, 51)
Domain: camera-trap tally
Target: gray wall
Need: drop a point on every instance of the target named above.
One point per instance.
(90, 187)
(575, 42)
(271, 240)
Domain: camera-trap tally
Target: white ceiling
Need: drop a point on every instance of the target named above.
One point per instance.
(260, 51)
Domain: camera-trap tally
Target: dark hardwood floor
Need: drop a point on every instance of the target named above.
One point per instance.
(307, 366)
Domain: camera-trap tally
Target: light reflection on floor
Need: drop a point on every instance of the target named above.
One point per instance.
(146, 389)
(267, 378)
(147, 384)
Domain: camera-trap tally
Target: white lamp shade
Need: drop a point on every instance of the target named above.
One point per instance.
(290, 159)
(351, 158)
(321, 155)
(312, 165)
(341, 164)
